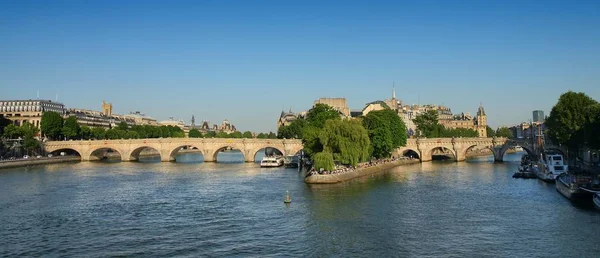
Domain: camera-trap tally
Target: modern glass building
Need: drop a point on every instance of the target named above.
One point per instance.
(538, 116)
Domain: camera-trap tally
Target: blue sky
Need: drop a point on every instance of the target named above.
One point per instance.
(247, 60)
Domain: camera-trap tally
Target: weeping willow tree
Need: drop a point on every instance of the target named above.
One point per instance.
(323, 160)
(347, 141)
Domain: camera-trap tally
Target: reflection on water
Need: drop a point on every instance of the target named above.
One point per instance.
(436, 209)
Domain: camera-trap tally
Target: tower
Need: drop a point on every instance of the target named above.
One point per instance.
(193, 121)
(394, 91)
(106, 108)
(481, 122)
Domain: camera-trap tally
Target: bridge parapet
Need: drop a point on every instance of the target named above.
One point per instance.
(168, 147)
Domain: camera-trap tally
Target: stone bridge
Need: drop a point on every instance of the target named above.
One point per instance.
(169, 147)
(424, 147)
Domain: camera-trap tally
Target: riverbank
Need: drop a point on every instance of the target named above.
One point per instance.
(338, 178)
(37, 161)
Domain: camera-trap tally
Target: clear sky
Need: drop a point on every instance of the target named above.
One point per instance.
(247, 60)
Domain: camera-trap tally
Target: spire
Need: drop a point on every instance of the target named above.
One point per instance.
(193, 121)
(480, 111)
(394, 91)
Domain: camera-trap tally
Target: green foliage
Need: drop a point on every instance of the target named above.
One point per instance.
(4, 122)
(592, 129)
(131, 135)
(222, 135)
(293, 130)
(380, 134)
(312, 143)
(71, 128)
(98, 133)
(236, 134)
(51, 124)
(195, 133)
(323, 160)
(490, 132)
(122, 126)
(503, 132)
(568, 119)
(427, 124)
(12, 132)
(247, 134)
(347, 140)
(261, 136)
(271, 135)
(320, 113)
(210, 134)
(85, 132)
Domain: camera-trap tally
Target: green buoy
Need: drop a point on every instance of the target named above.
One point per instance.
(287, 197)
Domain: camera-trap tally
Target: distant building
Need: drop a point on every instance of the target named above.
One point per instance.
(29, 111)
(479, 123)
(538, 116)
(338, 104)
(172, 122)
(374, 106)
(286, 118)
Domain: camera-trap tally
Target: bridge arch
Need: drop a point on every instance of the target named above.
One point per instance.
(106, 152)
(527, 148)
(67, 151)
(256, 151)
(471, 146)
(135, 154)
(442, 151)
(228, 148)
(411, 153)
(174, 152)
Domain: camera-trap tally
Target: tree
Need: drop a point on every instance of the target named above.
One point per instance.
(122, 126)
(427, 124)
(379, 134)
(71, 128)
(271, 135)
(131, 135)
(323, 160)
(210, 134)
(347, 140)
(98, 133)
(13, 132)
(247, 134)
(397, 127)
(51, 124)
(195, 133)
(293, 130)
(261, 136)
(490, 132)
(85, 132)
(320, 113)
(236, 134)
(504, 132)
(222, 135)
(4, 122)
(568, 118)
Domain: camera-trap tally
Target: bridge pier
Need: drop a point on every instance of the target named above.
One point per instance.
(425, 156)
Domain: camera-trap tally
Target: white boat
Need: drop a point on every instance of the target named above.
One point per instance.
(552, 166)
(271, 161)
(518, 148)
(597, 200)
(571, 186)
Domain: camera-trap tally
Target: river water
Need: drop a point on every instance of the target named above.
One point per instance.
(436, 209)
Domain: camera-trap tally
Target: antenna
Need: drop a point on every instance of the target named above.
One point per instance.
(38, 94)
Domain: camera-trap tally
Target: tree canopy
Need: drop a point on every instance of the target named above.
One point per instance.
(503, 132)
(320, 113)
(347, 141)
(428, 126)
(569, 119)
(195, 133)
(71, 128)
(51, 124)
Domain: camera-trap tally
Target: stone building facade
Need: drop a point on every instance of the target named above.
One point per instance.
(29, 111)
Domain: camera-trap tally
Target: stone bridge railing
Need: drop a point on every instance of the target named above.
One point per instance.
(169, 147)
